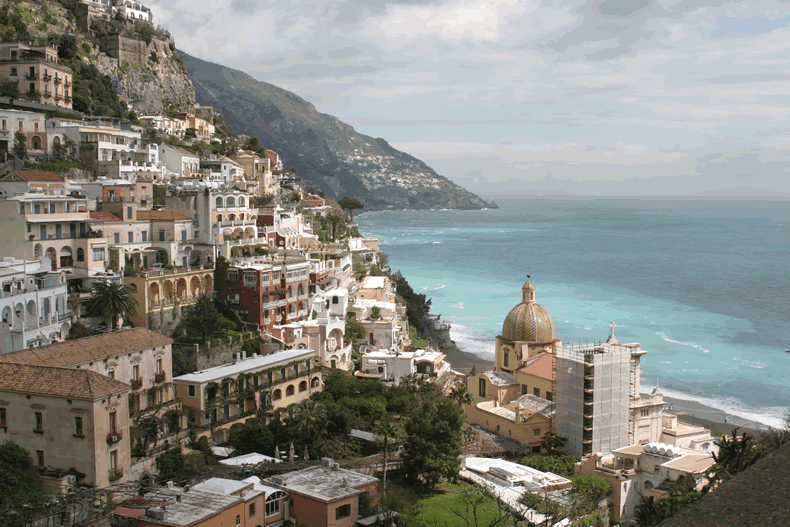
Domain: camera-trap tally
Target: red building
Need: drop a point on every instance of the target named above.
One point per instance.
(269, 293)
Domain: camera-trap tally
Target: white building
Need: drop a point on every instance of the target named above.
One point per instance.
(390, 367)
(181, 162)
(101, 139)
(33, 303)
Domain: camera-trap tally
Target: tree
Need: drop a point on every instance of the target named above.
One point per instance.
(18, 494)
(253, 436)
(351, 204)
(433, 441)
(334, 218)
(309, 421)
(20, 145)
(473, 498)
(650, 511)
(592, 488)
(113, 301)
(203, 318)
(460, 394)
(171, 464)
(401, 506)
(388, 433)
(292, 170)
(560, 465)
(553, 443)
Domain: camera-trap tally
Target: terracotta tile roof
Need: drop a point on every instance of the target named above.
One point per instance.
(79, 351)
(60, 382)
(161, 215)
(36, 175)
(104, 216)
(538, 367)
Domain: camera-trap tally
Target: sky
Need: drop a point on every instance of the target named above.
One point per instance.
(588, 97)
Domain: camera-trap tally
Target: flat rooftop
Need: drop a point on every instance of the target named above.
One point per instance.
(281, 358)
(373, 282)
(322, 483)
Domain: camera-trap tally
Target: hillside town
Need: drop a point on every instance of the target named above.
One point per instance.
(191, 334)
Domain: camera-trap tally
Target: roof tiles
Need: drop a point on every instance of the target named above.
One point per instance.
(59, 382)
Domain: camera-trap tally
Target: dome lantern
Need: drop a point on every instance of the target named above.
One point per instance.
(528, 321)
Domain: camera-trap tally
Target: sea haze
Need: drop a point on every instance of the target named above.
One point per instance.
(703, 283)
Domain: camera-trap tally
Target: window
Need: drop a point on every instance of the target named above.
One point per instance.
(250, 279)
(117, 237)
(252, 509)
(645, 412)
(98, 254)
(13, 71)
(40, 457)
(78, 426)
(238, 520)
(161, 236)
(39, 422)
(113, 422)
(129, 213)
(549, 396)
(272, 508)
(52, 208)
(506, 359)
(537, 432)
(136, 372)
(192, 391)
(482, 388)
(158, 365)
(524, 389)
(344, 511)
(536, 391)
(114, 460)
(233, 275)
(3, 417)
(184, 235)
(277, 395)
(335, 300)
(37, 208)
(145, 236)
(111, 374)
(130, 236)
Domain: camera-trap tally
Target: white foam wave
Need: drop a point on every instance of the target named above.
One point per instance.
(588, 328)
(767, 416)
(467, 341)
(440, 287)
(459, 305)
(435, 242)
(689, 344)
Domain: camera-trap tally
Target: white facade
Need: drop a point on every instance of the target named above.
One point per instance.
(108, 138)
(33, 304)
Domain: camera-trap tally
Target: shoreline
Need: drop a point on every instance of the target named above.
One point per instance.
(690, 412)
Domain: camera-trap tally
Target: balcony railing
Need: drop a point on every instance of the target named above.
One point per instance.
(67, 84)
(114, 437)
(137, 384)
(47, 77)
(30, 76)
(116, 474)
(58, 80)
(160, 377)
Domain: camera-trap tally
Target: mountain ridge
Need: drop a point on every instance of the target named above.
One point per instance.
(327, 152)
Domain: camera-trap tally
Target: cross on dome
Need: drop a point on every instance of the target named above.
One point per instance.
(612, 339)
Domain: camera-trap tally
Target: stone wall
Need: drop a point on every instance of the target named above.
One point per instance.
(213, 353)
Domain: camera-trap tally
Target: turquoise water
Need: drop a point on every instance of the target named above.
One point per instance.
(702, 284)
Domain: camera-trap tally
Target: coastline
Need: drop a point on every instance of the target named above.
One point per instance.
(690, 412)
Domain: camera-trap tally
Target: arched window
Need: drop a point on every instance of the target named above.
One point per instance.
(537, 432)
(497, 428)
(80, 254)
(242, 203)
(506, 359)
(277, 395)
(231, 202)
(303, 386)
(219, 202)
(56, 141)
(482, 388)
(648, 485)
(315, 382)
(35, 142)
(335, 300)
(290, 390)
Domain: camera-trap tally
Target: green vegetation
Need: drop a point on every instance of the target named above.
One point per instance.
(9, 89)
(79, 331)
(417, 305)
(591, 488)
(14, 23)
(560, 465)
(61, 165)
(113, 301)
(94, 93)
(17, 490)
(351, 204)
(203, 320)
(460, 504)
(20, 145)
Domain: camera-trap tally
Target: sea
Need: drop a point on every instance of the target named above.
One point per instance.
(702, 283)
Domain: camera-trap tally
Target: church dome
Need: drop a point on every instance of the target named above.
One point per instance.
(528, 321)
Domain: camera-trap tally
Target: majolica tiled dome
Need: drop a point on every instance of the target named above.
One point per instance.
(528, 321)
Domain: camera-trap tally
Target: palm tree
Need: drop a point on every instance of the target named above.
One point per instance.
(309, 421)
(334, 218)
(387, 432)
(113, 301)
(460, 394)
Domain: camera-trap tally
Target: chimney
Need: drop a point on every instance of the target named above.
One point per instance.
(326, 462)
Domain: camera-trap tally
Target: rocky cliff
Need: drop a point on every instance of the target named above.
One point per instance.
(326, 152)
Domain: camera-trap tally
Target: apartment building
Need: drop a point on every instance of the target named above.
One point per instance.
(33, 303)
(32, 125)
(70, 420)
(138, 357)
(327, 495)
(100, 139)
(179, 161)
(37, 73)
(217, 397)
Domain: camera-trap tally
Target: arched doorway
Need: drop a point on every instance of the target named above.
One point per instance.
(194, 286)
(161, 257)
(181, 288)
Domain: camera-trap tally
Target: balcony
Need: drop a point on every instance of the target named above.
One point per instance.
(160, 377)
(116, 474)
(114, 437)
(67, 84)
(31, 76)
(47, 77)
(137, 384)
(58, 80)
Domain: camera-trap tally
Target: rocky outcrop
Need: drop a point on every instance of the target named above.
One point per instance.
(326, 152)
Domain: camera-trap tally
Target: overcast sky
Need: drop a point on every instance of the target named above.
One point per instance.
(584, 96)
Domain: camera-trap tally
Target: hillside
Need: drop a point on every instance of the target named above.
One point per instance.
(326, 152)
(140, 62)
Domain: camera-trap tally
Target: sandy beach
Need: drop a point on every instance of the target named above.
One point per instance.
(688, 411)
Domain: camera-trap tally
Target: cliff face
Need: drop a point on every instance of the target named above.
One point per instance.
(326, 152)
